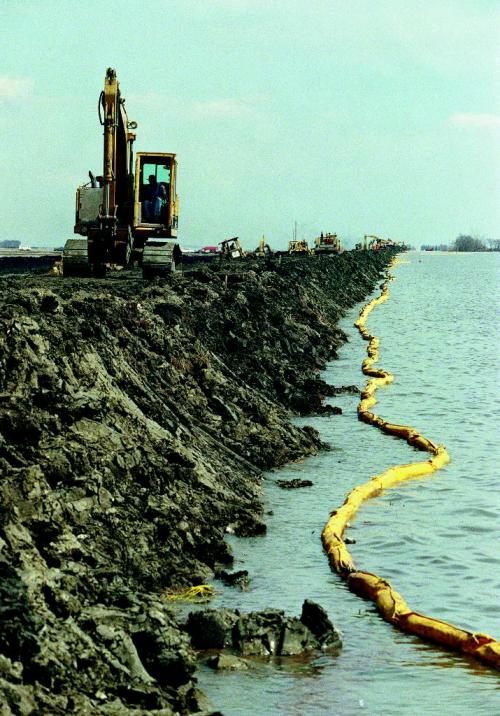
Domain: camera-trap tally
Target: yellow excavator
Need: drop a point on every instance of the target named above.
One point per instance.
(263, 249)
(129, 215)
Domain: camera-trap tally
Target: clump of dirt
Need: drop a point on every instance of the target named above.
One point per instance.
(135, 420)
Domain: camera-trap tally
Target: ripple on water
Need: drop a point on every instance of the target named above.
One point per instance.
(434, 538)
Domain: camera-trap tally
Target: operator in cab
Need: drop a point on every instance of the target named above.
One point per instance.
(156, 196)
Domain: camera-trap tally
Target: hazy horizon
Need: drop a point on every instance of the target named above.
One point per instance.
(354, 118)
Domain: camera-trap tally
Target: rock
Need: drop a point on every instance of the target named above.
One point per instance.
(353, 389)
(211, 628)
(293, 484)
(227, 662)
(259, 633)
(330, 410)
(315, 618)
(267, 633)
(235, 579)
(10, 669)
(295, 639)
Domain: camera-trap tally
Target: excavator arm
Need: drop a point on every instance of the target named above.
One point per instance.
(117, 154)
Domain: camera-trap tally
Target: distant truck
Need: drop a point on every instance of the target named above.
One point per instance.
(209, 250)
(327, 244)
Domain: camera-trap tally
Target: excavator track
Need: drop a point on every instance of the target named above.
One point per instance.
(160, 258)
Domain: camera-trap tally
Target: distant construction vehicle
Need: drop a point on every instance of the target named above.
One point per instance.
(373, 243)
(299, 247)
(263, 249)
(327, 244)
(231, 249)
(129, 215)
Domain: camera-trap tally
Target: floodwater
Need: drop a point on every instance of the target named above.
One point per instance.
(434, 538)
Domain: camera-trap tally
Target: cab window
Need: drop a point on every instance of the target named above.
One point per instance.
(160, 170)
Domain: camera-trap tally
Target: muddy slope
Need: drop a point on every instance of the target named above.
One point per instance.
(135, 418)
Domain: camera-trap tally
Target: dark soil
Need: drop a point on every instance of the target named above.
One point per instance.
(135, 420)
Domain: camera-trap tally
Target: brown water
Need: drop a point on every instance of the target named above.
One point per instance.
(435, 539)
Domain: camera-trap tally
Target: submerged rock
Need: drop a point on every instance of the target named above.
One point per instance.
(211, 628)
(316, 619)
(267, 633)
(227, 662)
(293, 484)
(239, 579)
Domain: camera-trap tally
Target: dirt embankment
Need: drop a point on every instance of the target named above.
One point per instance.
(135, 419)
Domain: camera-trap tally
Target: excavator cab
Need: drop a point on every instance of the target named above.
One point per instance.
(263, 249)
(164, 168)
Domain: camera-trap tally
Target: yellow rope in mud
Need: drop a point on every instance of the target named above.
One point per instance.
(390, 604)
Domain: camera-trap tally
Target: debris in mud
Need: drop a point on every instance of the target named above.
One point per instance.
(293, 484)
(135, 420)
(198, 593)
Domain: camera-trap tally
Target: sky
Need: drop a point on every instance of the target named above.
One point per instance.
(348, 116)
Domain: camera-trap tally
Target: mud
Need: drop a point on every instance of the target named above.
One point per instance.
(135, 420)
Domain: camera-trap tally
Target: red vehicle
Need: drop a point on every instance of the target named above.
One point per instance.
(209, 250)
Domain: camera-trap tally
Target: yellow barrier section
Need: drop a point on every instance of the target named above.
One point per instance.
(200, 592)
(390, 604)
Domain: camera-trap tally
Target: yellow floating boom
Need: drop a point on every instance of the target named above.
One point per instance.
(390, 604)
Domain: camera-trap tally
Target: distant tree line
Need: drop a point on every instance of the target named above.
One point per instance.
(10, 244)
(468, 243)
(465, 242)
